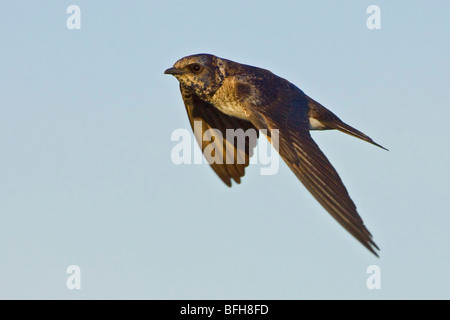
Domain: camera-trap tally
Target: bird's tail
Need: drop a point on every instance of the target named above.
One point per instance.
(343, 127)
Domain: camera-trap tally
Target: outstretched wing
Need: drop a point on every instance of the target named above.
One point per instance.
(211, 118)
(278, 104)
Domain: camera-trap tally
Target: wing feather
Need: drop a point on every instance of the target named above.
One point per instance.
(211, 118)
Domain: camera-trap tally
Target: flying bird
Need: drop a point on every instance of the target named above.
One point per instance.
(224, 94)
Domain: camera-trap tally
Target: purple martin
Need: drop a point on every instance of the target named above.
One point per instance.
(224, 94)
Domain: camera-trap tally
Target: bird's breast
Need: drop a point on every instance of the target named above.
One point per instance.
(226, 101)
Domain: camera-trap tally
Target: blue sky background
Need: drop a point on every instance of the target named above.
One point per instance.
(86, 176)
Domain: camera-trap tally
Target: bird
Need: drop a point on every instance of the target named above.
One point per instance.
(222, 94)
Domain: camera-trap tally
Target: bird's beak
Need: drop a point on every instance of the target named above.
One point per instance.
(174, 71)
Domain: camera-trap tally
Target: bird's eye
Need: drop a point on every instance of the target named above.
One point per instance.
(196, 67)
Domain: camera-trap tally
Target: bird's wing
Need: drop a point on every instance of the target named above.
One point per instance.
(278, 104)
(237, 154)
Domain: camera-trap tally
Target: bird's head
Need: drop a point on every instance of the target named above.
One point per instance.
(201, 73)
